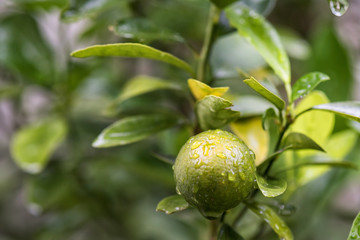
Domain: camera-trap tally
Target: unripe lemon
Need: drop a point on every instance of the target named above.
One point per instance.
(214, 171)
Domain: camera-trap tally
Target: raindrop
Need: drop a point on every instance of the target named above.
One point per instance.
(221, 155)
(195, 145)
(338, 7)
(177, 191)
(231, 176)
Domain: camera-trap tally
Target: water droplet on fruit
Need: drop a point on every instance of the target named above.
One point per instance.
(199, 163)
(177, 190)
(211, 137)
(252, 154)
(194, 156)
(338, 7)
(195, 145)
(242, 176)
(231, 176)
(221, 155)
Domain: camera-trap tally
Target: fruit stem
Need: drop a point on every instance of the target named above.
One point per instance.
(213, 229)
(214, 16)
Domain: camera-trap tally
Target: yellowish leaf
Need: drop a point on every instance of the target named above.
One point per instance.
(251, 131)
(201, 90)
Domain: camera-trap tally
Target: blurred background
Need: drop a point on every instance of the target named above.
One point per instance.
(87, 193)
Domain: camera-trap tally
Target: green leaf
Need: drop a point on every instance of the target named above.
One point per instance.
(298, 141)
(214, 112)
(222, 3)
(271, 187)
(143, 84)
(172, 204)
(133, 129)
(228, 233)
(262, 36)
(34, 60)
(355, 229)
(254, 84)
(143, 30)
(33, 145)
(307, 83)
(270, 216)
(201, 90)
(134, 50)
(349, 110)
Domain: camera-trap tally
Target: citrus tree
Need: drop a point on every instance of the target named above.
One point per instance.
(242, 135)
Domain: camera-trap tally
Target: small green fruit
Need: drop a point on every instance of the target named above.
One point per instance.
(214, 171)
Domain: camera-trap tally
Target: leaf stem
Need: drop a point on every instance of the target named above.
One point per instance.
(214, 15)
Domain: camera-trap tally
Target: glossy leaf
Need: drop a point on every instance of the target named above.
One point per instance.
(226, 232)
(33, 145)
(272, 218)
(271, 187)
(143, 30)
(355, 229)
(254, 84)
(143, 84)
(134, 50)
(349, 110)
(133, 129)
(214, 112)
(271, 124)
(307, 83)
(300, 141)
(264, 7)
(222, 3)
(312, 123)
(254, 136)
(262, 36)
(201, 90)
(172, 204)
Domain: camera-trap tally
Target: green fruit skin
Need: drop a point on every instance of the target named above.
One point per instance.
(214, 171)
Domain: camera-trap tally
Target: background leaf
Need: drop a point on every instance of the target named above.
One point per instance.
(262, 36)
(133, 129)
(226, 232)
(143, 84)
(222, 3)
(143, 30)
(298, 141)
(201, 90)
(349, 110)
(355, 229)
(254, 84)
(214, 112)
(270, 216)
(307, 83)
(271, 187)
(33, 145)
(135, 50)
(172, 204)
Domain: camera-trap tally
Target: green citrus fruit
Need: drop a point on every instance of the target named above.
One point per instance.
(214, 171)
